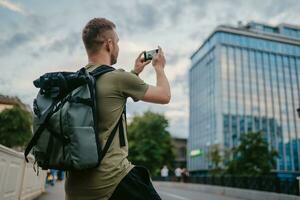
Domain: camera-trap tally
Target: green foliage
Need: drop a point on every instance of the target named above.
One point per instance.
(214, 155)
(150, 142)
(15, 128)
(252, 156)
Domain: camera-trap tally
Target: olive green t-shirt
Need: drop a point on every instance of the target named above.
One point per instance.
(99, 183)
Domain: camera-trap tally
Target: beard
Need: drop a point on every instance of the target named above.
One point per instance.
(113, 58)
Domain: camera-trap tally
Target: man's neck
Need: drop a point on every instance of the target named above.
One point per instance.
(99, 59)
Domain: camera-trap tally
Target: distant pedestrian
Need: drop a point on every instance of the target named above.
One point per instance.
(60, 175)
(51, 177)
(164, 172)
(184, 175)
(178, 172)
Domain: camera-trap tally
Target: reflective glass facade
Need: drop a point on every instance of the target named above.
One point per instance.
(241, 82)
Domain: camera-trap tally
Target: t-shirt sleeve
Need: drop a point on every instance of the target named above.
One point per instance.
(131, 85)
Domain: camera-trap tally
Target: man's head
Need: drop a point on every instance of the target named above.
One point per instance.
(99, 35)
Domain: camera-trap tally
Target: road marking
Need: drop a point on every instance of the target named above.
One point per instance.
(173, 195)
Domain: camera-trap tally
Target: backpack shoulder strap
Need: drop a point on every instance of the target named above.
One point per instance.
(97, 73)
(111, 137)
(101, 70)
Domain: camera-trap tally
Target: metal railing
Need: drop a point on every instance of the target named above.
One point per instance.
(261, 183)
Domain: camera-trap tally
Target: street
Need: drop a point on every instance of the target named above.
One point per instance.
(57, 192)
(168, 193)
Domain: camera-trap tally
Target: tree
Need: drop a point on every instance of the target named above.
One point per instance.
(15, 129)
(252, 156)
(150, 142)
(214, 155)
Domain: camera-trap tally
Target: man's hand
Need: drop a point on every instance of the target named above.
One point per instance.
(159, 60)
(160, 93)
(140, 63)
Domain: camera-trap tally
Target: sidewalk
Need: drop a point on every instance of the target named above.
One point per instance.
(53, 192)
(167, 191)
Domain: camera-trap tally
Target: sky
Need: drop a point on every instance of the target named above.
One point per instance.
(38, 36)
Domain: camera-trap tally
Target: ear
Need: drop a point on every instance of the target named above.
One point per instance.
(109, 45)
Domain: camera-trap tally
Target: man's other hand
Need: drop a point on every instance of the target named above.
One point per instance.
(159, 60)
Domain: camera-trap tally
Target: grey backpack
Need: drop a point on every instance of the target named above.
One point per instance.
(65, 121)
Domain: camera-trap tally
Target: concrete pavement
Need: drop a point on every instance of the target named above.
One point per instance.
(56, 192)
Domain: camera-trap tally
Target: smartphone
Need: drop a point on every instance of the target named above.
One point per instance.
(148, 55)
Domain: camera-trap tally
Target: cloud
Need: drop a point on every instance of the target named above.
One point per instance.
(12, 6)
(136, 17)
(70, 43)
(23, 32)
(17, 40)
(143, 17)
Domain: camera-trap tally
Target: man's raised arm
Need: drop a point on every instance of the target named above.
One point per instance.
(160, 93)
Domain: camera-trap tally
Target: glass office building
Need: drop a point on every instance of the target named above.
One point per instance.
(244, 79)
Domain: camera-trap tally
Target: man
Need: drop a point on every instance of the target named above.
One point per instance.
(178, 172)
(116, 178)
(164, 172)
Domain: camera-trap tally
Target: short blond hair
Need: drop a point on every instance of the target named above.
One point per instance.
(95, 32)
